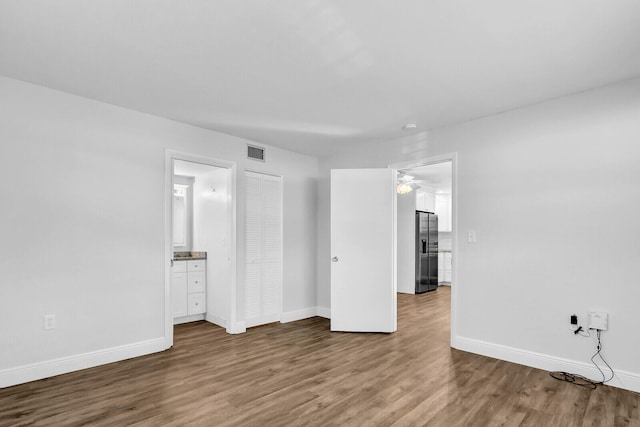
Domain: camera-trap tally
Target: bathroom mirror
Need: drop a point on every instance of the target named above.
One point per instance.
(182, 213)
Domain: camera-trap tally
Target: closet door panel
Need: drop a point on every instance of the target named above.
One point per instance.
(263, 249)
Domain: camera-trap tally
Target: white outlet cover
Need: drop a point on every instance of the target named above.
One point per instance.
(598, 320)
(50, 321)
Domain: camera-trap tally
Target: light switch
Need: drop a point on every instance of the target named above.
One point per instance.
(471, 236)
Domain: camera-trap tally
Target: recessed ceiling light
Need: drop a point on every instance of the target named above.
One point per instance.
(410, 126)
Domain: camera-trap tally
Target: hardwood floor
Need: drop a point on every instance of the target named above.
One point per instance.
(301, 374)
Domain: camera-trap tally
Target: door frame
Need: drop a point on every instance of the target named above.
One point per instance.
(170, 156)
(453, 158)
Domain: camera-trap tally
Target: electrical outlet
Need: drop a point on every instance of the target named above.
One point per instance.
(598, 320)
(50, 321)
(471, 236)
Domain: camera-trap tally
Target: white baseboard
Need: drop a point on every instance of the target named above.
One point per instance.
(323, 312)
(285, 317)
(237, 328)
(216, 320)
(292, 316)
(622, 379)
(63, 365)
(305, 313)
(187, 319)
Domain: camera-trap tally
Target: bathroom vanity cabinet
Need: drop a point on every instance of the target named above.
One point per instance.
(188, 287)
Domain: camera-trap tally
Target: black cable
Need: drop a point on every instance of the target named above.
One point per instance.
(574, 379)
(584, 381)
(599, 354)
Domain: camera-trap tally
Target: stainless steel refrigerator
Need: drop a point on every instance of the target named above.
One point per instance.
(426, 252)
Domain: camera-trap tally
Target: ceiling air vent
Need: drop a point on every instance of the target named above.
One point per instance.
(255, 153)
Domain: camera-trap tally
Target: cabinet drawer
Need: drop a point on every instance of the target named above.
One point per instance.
(197, 303)
(197, 282)
(196, 265)
(179, 267)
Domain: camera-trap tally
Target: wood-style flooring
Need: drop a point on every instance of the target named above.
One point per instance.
(300, 373)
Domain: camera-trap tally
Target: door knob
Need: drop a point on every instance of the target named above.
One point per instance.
(334, 259)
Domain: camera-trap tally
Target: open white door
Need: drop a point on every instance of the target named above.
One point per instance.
(363, 250)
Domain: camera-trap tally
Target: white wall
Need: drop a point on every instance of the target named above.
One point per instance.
(552, 192)
(82, 225)
(406, 241)
(211, 235)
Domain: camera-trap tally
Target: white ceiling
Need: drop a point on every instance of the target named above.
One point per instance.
(311, 75)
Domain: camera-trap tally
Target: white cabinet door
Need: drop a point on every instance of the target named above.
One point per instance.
(440, 267)
(363, 250)
(443, 210)
(179, 294)
(447, 267)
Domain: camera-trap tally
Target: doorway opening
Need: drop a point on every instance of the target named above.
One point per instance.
(200, 242)
(426, 190)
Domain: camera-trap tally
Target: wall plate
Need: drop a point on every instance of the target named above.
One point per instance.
(598, 320)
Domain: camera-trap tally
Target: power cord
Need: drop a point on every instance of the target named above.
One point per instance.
(579, 379)
(580, 331)
(599, 354)
(574, 379)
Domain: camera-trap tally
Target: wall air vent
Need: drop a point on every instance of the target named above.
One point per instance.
(255, 152)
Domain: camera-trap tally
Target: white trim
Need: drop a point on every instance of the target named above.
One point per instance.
(170, 156)
(63, 365)
(453, 158)
(303, 313)
(187, 319)
(219, 321)
(394, 252)
(323, 312)
(233, 295)
(168, 248)
(237, 328)
(622, 379)
(262, 320)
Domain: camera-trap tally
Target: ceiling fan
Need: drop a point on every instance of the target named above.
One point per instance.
(407, 183)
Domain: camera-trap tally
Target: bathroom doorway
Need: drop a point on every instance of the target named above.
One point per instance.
(200, 242)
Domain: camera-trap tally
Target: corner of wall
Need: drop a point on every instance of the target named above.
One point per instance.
(237, 328)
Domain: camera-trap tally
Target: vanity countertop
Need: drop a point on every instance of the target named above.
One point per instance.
(189, 256)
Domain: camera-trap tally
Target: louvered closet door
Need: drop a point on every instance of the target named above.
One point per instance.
(263, 248)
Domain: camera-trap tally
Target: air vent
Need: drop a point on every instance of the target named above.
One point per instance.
(255, 153)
